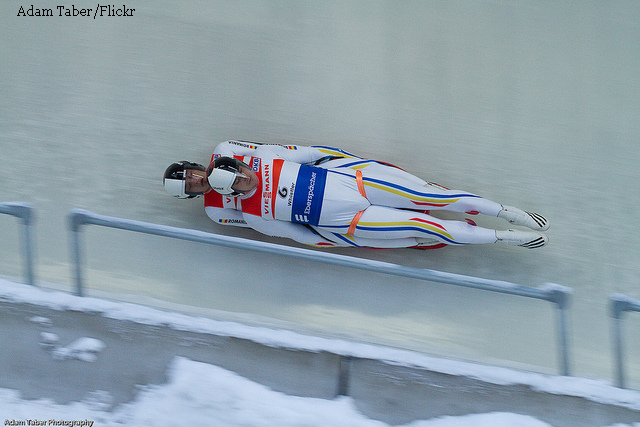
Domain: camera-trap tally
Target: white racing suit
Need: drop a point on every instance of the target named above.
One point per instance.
(323, 196)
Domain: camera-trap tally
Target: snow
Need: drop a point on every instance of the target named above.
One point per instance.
(202, 394)
(48, 339)
(44, 321)
(199, 393)
(82, 349)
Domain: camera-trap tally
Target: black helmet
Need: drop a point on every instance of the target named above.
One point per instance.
(174, 179)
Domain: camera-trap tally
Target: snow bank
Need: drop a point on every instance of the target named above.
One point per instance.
(202, 394)
(223, 398)
(597, 391)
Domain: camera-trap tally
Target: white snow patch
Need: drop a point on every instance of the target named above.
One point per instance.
(82, 349)
(48, 340)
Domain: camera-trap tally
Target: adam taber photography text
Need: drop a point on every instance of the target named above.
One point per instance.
(51, 422)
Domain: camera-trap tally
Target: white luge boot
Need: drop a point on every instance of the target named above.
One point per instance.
(526, 239)
(517, 216)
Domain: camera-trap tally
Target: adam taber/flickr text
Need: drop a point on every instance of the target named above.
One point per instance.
(98, 12)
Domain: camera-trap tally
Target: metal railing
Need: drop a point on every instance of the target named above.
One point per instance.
(619, 304)
(554, 293)
(25, 212)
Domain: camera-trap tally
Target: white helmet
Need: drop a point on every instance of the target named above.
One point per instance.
(222, 173)
(175, 179)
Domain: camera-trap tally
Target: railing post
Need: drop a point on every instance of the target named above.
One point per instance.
(75, 221)
(618, 305)
(25, 212)
(344, 374)
(27, 220)
(560, 296)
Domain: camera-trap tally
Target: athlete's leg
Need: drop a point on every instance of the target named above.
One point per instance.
(364, 242)
(390, 186)
(381, 222)
(398, 190)
(388, 223)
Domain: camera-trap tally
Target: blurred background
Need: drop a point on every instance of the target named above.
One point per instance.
(531, 104)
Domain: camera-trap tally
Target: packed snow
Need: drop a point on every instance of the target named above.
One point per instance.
(202, 394)
(82, 349)
(199, 393)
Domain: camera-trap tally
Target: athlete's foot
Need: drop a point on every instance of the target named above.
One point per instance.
(526, 239)
(517, 216)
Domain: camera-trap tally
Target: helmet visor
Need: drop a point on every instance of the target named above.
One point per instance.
(195, 182)
(239, 179)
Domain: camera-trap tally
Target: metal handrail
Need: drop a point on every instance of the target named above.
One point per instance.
(554, 293)
(619, 304)
(25, 212)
